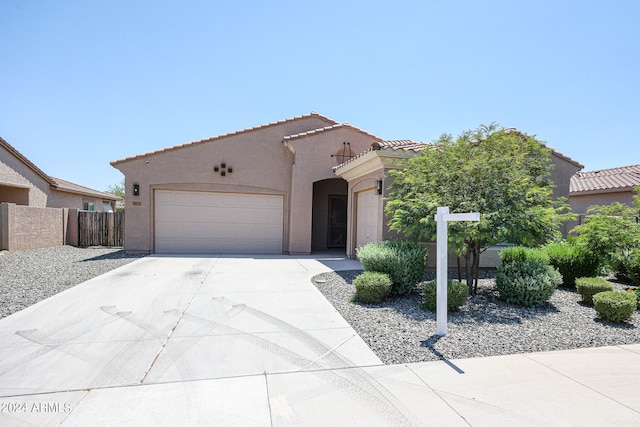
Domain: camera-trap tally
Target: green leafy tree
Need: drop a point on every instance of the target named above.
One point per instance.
(612, 234)
(502, 173)
(118, 190)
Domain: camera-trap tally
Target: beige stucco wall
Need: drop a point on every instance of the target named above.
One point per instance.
(561, 175)
(313, 162)
(580, 203)
(27, 227)
(14, 172)
(261, 163)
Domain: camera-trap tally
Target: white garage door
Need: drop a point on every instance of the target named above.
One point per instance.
(204, 222)
(367, 217)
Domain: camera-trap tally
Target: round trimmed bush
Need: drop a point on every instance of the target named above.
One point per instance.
(372, 287)
(572, 261)
(589, 286)
(457, 294)
(525, 277)
(615, 306)
(404, 262)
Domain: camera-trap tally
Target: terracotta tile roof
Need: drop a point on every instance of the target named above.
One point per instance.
(26, 161)
(214, 138)
(399, 144)
(70, 187)
(622, 178)
(327, 129)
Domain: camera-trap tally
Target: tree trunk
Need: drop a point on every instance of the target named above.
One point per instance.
(477, 260)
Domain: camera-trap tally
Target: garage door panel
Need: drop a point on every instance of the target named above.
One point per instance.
(201, 222)
(367, 218)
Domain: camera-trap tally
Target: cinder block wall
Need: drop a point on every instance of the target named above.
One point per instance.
(26, 227)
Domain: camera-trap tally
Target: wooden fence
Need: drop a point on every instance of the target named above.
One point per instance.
(100, 228)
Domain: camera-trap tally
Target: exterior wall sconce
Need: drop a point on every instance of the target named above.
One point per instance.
(379, 186)
(136, 189)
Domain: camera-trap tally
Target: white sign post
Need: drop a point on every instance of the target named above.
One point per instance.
(442, 218)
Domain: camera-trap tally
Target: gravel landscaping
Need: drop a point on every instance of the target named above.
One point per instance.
(29, 276)
(399, 331)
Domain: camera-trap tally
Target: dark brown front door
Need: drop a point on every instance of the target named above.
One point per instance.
(337, 237)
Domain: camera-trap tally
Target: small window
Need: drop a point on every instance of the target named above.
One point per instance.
(106, 206)
(88, 205)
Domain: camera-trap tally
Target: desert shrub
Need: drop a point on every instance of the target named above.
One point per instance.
(525, 277)
(589, 286)
(610, 233)
(636, 292)
(615, 306)
(572, 261)
(372, 287)
(457, 295)
(626, 265)
(520, 253)
(404, 262)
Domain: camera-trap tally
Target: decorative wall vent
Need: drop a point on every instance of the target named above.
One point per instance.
(223, 169)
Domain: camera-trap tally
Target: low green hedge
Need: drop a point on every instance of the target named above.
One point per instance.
(457, 295)
(572, 261)
(404, 261)
(372, 287)
(525, 277)
(615, 306)
(587, 287)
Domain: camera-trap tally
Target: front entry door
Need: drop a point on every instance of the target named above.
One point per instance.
(337, 237)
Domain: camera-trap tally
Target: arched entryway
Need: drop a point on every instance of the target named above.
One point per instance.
(329, 215)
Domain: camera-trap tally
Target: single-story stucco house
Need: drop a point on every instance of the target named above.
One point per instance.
(23, 183)
(296, 186)
(603, 187)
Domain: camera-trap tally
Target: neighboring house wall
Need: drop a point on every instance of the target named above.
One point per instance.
(561, 175)
(20, 184)
(61, 199)
(26, 227)
(580, 203)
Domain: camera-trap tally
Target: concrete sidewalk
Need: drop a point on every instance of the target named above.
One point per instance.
(250, 341)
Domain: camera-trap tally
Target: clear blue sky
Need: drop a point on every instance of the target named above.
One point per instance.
(86, 82)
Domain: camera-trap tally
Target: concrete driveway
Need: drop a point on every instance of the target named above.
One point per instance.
(250, 341)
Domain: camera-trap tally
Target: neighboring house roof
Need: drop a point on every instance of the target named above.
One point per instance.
(214, 138)
(70, 187)
(26, 161)
(623, 178)
(57, 183)
(327, 129)
(554, 152)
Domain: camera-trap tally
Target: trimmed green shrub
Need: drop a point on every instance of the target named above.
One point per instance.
(520, 253)
(615, 306)
(525, 277)
(457, 295)
(404, 262)
(372, 287)
(589, 286)
(572, 261)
